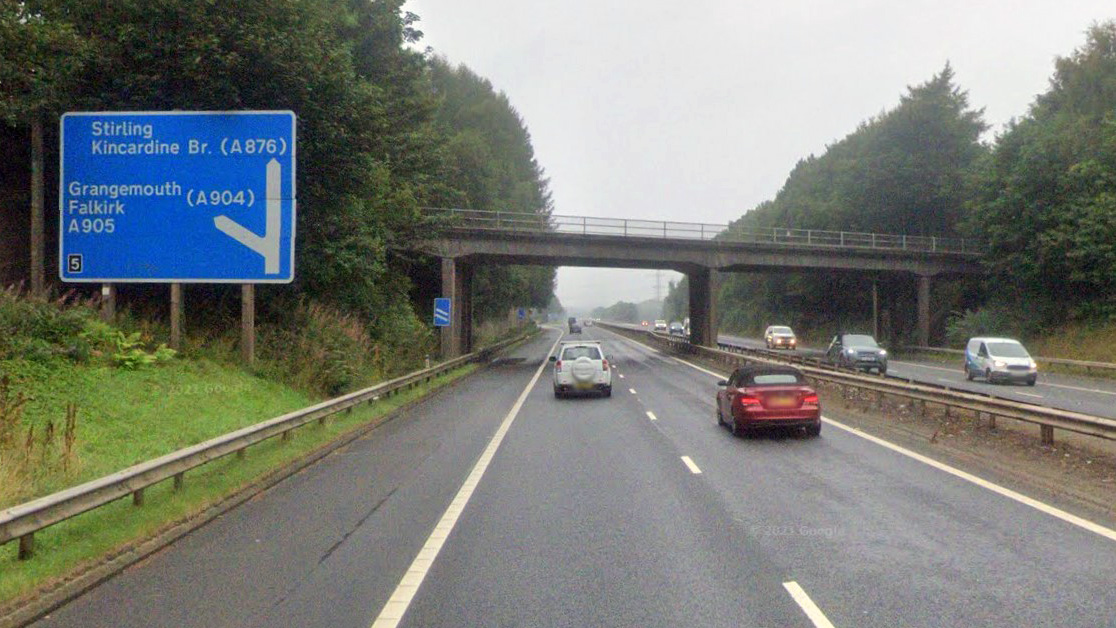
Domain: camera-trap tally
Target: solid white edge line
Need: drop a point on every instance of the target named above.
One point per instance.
(651, 415)
(807, 605)
(1053, 511)
(690, 464)
(400, 599)
(1080, 522)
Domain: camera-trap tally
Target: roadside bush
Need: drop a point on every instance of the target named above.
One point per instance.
(318, 349)
(988, 321)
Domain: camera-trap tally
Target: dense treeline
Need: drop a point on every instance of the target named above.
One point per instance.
(1045, 197)
(903, 171)
(384, 130)
(1041, 196)
(492, 164)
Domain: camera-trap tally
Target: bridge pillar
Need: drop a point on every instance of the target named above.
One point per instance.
(457, 284)
(923, 310)
(702, 308)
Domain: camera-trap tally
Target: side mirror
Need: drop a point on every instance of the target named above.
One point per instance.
(553, 358)
(723, 382)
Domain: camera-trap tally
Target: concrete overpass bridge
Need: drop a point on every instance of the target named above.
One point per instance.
(465, 238)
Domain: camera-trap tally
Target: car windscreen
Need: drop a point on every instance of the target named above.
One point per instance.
(573, 353)
(1007, 350)
(859, 341)
(781, 330)
(775, 379)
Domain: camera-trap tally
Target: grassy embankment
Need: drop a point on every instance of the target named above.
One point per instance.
(127, 408)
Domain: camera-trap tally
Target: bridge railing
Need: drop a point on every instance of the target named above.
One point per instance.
(590, 225)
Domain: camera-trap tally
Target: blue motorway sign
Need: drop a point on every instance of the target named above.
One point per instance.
(177, 196)
(442, 309)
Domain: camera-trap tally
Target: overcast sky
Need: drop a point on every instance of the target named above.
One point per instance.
(698, 110)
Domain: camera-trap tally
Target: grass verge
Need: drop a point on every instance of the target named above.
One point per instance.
(101, 533)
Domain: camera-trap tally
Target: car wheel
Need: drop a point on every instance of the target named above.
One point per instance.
(737, 431)
(608, 391)
(557, 394)
(1031, 382)
(813, 430)
(968, 373)
(720, 417)
(883, 371)
(988, 375)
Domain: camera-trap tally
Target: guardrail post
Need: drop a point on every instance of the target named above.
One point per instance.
(137, 497)
(240, 453)
(179, 478)
(873, 240)
(933, 243)
(286, 436)
(26, 546)
(1047, 432)
(842, 238)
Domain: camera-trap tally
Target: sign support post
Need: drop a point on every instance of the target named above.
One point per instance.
(248, 324)
(176, 316)
(108, 302)
(38, 263)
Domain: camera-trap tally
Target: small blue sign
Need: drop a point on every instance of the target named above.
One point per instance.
(442, 310)
(177, 196)
(522, 313)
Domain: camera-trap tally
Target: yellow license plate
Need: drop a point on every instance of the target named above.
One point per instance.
(782, 402)
(585, 386)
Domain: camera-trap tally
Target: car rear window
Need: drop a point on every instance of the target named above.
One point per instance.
(776, 379)
(573, 353)
(781, 330)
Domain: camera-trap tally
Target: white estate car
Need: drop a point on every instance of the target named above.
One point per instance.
(580, 367)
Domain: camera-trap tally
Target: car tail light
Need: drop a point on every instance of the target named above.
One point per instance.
(810, 399)
(747, 400)
(558, 366)
(605, 364)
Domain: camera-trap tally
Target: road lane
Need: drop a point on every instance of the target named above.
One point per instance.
(327, 546)
(879, 539)
(587, 517)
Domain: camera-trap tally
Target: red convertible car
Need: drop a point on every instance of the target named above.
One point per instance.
(766, 395)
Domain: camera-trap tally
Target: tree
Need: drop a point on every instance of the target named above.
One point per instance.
(904, 171)
(1045, 199)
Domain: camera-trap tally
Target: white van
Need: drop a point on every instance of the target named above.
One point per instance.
(999, 359)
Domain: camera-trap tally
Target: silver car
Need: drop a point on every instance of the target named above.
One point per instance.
(999, 359)
(780, 336)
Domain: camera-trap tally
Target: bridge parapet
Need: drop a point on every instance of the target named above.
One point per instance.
(482, 220)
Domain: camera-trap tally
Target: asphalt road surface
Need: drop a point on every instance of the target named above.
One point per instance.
(631, 511)
(1090, 395)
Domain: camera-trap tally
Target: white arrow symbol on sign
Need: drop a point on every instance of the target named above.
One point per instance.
(268, 245)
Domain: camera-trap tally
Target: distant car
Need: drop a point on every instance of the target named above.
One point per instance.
(780, 337)
(660, 325)
(999, 359)
(644, 323)
(588, 322)
(767, 395)
(575, 328)
(857, 351)
(677, 329)
(581, 367)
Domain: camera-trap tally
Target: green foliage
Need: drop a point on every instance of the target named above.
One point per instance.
(676, 305)
(492, 165)
(383, 130)
(904, 171)
(989, 321)
(1045, 199)
(621, 312)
